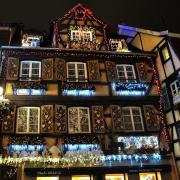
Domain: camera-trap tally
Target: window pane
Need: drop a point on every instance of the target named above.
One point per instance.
(81, 178)
(35, 65)
(25, 65)
(114, 177)
(165, 53)
(22, 120)
(71, 66)
(147, 176)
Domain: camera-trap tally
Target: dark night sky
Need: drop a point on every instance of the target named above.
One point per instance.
(148, 14)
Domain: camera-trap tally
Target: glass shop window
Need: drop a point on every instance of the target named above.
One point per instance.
(150, 176)
(79, 177)
(116, 177)
(47, 178)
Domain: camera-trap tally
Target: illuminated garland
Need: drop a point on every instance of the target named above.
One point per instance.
(164, 130)
(74, 53)
(79, 160)
(30, 85)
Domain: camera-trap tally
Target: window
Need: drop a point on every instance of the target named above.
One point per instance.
(76, 71)
(132, 119)
(126, 73)
(82, 177)
(28, 119)
(81, 35)
(30, 70)
(150, 176)
(78, 120)
(87, 36)
(115, 177)
(175, 87)
(165, 53)
(75, 35)
(47, 178)
(31, 40)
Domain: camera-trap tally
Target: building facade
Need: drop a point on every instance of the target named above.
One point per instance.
(84, 106)
(166, 45)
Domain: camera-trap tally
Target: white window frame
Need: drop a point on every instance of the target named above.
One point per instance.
(28, 117)
(175, 84)
(115, 44)
(90, 35)
(30, 70)
(76, 72)
(116, 176)
(125, 72)
(81, 35)
(78, 109)
(132, 117)
(77, 37)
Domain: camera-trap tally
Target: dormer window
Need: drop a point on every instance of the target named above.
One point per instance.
(31, 40)
(75, 36)
(118, 45)
(83, 34)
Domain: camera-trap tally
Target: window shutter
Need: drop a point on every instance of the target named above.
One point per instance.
(60, 69)
(152, 118)
(47, 124)
(8, 120)
(98, 119)
(145, 72)
(117, 118)
(60, 119)
(93, 70)
(111, 71)
(12, 69)
(47, 69)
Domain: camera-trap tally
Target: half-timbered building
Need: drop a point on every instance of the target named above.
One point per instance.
(85, 105)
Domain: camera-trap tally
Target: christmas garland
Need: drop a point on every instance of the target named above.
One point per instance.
(78, 86)
(30, 85)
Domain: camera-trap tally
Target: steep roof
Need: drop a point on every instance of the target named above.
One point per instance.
(80, 10)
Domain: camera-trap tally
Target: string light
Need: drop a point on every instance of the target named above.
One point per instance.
(85, 159)
(164, 130)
